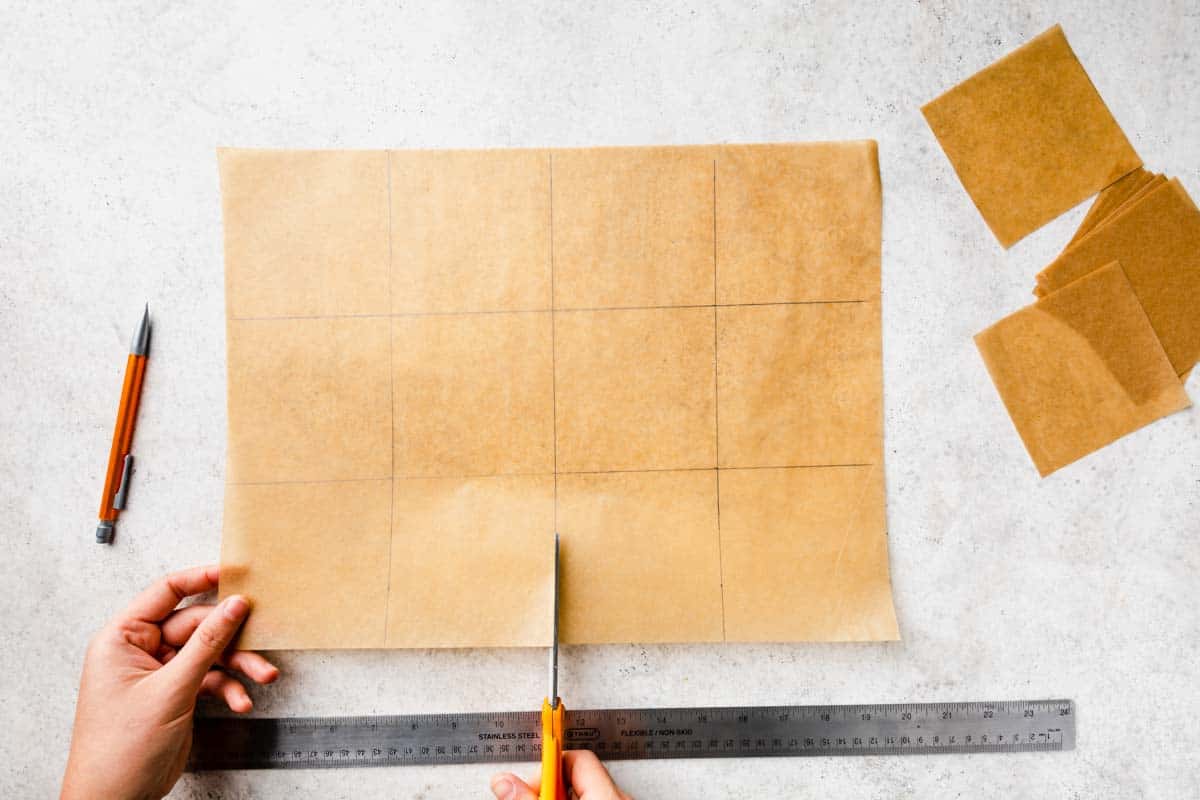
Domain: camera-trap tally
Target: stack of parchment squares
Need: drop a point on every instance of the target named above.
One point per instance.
(1116, 328)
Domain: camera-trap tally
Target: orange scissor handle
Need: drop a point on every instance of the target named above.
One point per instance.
(552, 738)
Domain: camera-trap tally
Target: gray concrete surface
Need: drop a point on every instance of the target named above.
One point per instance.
(1007, 586)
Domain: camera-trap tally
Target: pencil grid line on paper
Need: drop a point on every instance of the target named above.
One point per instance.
(392, 409)
(553, 359)
(717, 400)
(553, 310)
(549, 474)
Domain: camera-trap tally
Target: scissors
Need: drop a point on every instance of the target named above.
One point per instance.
(552, 715)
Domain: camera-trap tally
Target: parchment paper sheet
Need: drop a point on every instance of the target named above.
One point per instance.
(1030, 137)
(1080, 368)
(670, 355)
(1156, 237)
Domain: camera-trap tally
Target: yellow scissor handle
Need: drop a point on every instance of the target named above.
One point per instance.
(552, 738)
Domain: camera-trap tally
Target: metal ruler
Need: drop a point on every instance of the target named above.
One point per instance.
(636, 733)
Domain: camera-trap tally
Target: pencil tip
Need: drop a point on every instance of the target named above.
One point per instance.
(141, 339)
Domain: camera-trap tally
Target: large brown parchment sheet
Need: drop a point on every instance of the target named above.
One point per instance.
(1030, 137)
(1080, 368)
(670, 355)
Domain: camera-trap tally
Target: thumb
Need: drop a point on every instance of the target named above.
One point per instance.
(507, 786)
(208, 642)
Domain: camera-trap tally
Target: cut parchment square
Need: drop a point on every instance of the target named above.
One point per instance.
(1080, 368)
(798, 224)
(812, 541)
(476, 535)
(633, 227)
(1157, 241)
(799, 385)
(309, 399)
(285, 545)
(474, 394)
(640, 557)
(470, 230)
(634, 389)
(1030, 137)
(306, 232)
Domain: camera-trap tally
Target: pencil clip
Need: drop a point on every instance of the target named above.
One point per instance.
(123, 490)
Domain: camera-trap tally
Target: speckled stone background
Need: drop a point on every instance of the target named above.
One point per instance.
(1007, 586)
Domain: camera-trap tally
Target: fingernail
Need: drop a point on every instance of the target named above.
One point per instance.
(503, 788)
(235, 607)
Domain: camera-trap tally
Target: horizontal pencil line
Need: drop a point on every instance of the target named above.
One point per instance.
(710, 305)
(396, 315)
(795, 466)
(410, 477)
(541, 474)
(471, 313)
(794, 303)
(317, 480)
(708, 469)
(627, 471)
(403, 314)
(417, 477)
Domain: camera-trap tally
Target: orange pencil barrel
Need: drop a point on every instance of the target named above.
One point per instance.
(131, 407)
(131, 391)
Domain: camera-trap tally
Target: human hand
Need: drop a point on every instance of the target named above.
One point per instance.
(582, 772)
(141, 676)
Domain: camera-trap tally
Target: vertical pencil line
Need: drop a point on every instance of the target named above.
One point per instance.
(717, 408)
(387, 609)
(553, 345)
(714, 213)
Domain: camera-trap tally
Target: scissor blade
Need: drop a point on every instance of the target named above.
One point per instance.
(553, 695)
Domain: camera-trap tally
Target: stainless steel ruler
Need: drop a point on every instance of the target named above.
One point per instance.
(1017, 726)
